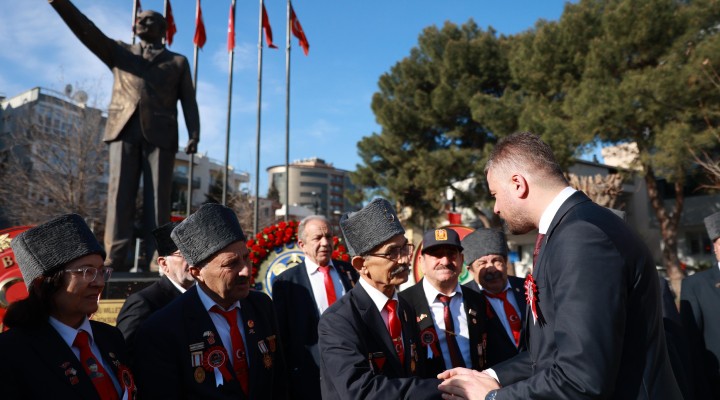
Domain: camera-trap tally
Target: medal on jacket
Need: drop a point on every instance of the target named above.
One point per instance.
(531, 296)
(267, 360)
(413, 357)
(428, 337)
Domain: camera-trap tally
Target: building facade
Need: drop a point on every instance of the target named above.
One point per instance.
(315, 185)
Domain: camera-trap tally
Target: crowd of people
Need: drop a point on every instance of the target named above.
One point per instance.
(587, 323)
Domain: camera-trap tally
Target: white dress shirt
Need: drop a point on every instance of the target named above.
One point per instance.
(457, 310)
(317, 282)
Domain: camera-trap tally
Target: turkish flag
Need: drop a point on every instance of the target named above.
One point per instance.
(231, 28)
(267, 28)
(298, 32)
(171, 28)
(199, 39)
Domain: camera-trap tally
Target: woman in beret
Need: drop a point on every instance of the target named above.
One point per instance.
(52, 349)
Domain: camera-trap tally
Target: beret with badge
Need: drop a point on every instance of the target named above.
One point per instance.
(370, 227)
(44, 249)
(210, 229)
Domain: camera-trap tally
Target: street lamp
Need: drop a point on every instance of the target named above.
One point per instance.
(316, 201)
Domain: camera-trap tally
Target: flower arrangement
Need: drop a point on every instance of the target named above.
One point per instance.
(283, 234)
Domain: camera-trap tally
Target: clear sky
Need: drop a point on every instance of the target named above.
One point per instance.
(352, 43)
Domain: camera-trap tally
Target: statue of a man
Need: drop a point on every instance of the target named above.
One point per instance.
(142, 127)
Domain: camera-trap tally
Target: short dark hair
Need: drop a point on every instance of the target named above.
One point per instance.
(525, 151)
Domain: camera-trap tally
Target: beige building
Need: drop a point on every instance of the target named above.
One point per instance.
(315, 185)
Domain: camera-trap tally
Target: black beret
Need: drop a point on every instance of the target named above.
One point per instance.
(163, 241)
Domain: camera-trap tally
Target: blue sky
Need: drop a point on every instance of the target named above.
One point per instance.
(351, 45)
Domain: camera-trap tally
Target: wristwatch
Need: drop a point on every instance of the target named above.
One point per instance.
(491, 395)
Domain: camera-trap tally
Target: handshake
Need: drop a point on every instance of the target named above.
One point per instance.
(463, 383)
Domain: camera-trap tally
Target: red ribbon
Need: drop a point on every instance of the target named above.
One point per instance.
(531, 295)
(428, 337)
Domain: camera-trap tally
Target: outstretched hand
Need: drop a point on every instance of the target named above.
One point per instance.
(191, 147)
(463, 383)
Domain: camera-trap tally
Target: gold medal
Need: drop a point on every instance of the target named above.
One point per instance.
(199, 375)
(267, 361)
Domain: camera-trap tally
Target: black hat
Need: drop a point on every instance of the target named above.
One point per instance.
(482, 242)
(441, 237)
(210, 229)
(48, 247)
(370, 227)
(163, 241)
(712, 224)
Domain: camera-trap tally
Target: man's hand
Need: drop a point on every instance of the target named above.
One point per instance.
(463, 383)
(191, 147)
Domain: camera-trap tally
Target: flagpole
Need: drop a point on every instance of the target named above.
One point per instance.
(227, 129)
(134, 17)
(287, 116)
(259, 107)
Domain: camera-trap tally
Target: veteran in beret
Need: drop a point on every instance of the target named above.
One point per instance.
(218, 340)
(451, 318)
(486, 257)
(700, 312)
(175, 280)
(53, 349)
(368, 339)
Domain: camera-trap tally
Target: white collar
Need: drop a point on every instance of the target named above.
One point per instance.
(376, 296)
(68, 333)
(431, 293)
(552, 209)
(208, 303)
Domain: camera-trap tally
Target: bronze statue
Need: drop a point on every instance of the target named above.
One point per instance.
(142, 128)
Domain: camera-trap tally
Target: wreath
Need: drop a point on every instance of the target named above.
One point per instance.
(283, 235)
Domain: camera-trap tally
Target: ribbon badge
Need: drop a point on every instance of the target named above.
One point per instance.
(267, 360)
(429, 338)
(531, 296)
(215, 360)
(124, 377)
(70, 372)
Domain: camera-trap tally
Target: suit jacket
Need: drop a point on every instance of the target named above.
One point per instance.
(35, 363)
(174, 343)
(599, 332)
(298, 317)
(475, 307)
(139, 306)
(699, 303)
(358, 359)
(503, 347)
(150, 87)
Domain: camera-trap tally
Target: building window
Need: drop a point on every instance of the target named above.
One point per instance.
(314, 174)
(698, 243)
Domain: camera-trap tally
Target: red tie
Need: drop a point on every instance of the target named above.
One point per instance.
(395, 329)
(510, 313)
(455, 355)
(329, 286)
(94, 369)
(239, 359)
(538, 244)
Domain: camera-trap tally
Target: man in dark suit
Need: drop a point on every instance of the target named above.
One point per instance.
(450, 318)
(595, 318)
(699, 309)
(52, 350)
(485, 252)
(141, 128)
(300, 295)
(176, 279)
(368, 339)
(218, 340)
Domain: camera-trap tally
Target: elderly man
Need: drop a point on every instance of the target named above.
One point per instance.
(218, 340)
(300, 296)
(175, 280)
(596, 326)
(699, 304)
(368, 339)
(450, 318)
(142, 127)
(485, 252)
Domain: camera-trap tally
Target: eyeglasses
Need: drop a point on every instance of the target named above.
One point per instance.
(89, 274)
(396, 252)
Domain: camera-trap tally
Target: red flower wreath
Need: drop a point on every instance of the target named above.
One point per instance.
(283, 234)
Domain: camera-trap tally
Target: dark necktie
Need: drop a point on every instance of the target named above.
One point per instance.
(238, 346)
(100, 379)
(512, 316)
(329, 286)
(538, 245)
(455, 355)
(395, 329)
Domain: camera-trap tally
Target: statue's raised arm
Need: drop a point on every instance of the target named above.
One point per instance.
(142, 128)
